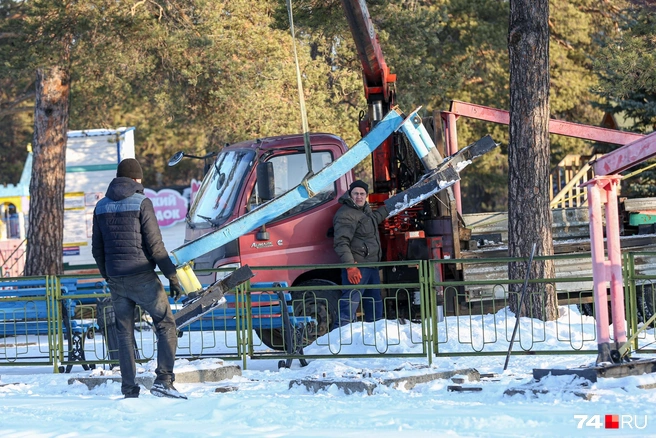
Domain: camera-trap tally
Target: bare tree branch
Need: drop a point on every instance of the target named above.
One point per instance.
(13, 107)
(20, 109)
(8, 35)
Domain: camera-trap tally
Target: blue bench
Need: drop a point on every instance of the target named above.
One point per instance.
(74, 287)
(26, 309)
(270, 312)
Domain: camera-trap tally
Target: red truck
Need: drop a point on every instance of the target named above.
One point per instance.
(303, 235)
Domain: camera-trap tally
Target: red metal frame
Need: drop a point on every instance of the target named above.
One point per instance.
(622, 158)
(602, 192)
(569, 129)
(494, 115)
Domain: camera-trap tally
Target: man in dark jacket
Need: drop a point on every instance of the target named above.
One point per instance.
(127, 244)
(357, 241)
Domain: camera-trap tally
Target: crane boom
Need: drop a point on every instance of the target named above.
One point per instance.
(379, 89)
(378, 81)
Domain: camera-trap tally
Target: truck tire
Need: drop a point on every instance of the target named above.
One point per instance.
(322, 305)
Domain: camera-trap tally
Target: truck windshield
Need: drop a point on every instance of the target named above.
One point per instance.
(215, 200)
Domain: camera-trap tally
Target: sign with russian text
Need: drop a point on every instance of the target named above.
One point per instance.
(170, 206)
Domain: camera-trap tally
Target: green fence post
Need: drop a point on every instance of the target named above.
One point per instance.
(631, 297)
(247, 349)
(55, 326)
(428, 316)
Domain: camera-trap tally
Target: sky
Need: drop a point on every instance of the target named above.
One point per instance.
(34, 402)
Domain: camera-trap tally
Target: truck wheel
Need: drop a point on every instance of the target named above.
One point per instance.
(321, 305)
(272, 338)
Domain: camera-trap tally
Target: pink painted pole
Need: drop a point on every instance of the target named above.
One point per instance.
(452, 148)
(599, 271)
(615, 258)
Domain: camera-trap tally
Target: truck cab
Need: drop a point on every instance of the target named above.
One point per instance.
(300, 236)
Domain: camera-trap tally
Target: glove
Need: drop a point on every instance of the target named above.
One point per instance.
(354, 275)
(175, 290)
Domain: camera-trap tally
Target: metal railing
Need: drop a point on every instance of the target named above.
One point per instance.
(30, 321)
(425, 317)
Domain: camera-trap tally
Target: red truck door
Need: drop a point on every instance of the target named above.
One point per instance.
(303, 235)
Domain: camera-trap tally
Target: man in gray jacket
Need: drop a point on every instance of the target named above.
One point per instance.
(357, 241)
(127, 245)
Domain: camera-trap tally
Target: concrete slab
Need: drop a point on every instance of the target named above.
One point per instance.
(96, 381)
(632, 368)
(218, 374)
(624, 369)
(535, 392)
(193, 376)
(409, 382)
(581, 378)
(458, 388)
(647, 386)
(573, 383)
(224, 389)
(586, 373)
(348, 386)
(363, 384)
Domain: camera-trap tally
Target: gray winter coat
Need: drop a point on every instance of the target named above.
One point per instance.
(356, 232)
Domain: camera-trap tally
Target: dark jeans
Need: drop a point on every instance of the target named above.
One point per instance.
(147, 291)
(372, 304)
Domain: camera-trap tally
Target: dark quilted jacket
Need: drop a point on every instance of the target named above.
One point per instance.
(126, 238)
(356, 232)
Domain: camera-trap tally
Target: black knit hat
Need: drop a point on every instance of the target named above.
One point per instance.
(129, 168)
(359, 183)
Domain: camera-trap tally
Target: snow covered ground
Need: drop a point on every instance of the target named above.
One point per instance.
(34, 402)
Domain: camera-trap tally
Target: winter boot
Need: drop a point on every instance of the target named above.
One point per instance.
(131, 392)
(165, 389)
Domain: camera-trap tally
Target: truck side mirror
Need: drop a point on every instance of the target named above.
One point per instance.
(175, 159)
(266, 186)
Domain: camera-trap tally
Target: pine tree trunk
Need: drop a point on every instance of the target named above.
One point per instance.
(529, 213)
(45, 233)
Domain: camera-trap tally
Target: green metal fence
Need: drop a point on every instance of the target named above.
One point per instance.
(425, 317)
(639, 273)
(30, 321)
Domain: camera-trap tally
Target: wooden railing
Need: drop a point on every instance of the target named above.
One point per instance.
(566, 180)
